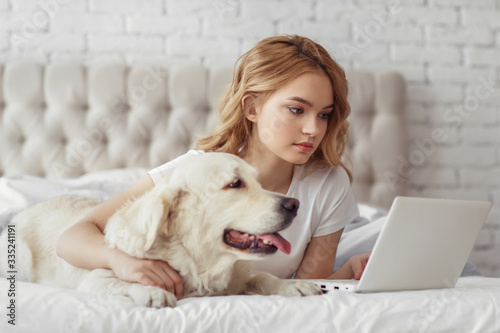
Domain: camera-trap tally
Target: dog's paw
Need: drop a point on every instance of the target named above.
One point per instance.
(298, 288)
(151, 296)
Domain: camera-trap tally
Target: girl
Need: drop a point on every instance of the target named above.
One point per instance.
(285, 113)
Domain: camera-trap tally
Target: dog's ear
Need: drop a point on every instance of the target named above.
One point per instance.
(158, 212)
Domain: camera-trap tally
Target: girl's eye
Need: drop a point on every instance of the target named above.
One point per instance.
(295, 110)
(325, 116)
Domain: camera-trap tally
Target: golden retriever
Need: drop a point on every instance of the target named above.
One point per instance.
(207, 220)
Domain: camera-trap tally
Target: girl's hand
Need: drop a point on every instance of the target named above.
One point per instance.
(358, 263)
(156, 273)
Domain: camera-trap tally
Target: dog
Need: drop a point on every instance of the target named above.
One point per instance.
(208, 220)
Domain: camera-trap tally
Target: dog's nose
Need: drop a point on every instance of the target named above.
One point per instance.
(290, 205)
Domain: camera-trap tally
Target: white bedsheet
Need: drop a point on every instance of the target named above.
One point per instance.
(474, 306)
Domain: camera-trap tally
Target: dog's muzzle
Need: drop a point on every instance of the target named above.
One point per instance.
(267, 243)
(288, 208)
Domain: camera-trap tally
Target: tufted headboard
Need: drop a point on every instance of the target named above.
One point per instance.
(63, 120)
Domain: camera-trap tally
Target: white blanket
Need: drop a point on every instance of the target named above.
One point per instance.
(18, 192)
(474, 306)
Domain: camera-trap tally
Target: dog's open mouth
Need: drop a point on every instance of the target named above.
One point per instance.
(265, 243)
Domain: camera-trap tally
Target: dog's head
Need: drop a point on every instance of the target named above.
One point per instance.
(213, 204)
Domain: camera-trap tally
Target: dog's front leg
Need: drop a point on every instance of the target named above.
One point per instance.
(268, 284)
(103, 281)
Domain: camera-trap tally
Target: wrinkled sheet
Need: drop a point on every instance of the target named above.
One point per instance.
(473, 306)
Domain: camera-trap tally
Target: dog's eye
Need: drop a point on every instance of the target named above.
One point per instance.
(237, 183)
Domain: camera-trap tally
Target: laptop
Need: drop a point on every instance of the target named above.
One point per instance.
(424, 244)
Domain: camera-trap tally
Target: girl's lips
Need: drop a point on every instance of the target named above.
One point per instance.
(305, 147)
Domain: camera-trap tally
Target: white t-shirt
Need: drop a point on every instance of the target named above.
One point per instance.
(326, 206)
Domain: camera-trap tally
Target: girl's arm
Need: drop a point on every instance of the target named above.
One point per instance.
(319, 260)
(83, 245)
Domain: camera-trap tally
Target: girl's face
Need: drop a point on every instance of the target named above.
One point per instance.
(292, 122)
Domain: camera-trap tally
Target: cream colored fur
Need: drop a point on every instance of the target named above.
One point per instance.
(182, 221)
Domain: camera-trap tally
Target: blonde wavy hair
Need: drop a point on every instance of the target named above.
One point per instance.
(269, 65)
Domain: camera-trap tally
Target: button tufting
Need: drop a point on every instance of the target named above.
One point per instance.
(120, 106)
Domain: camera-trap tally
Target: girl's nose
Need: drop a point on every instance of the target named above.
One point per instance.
(311, 126)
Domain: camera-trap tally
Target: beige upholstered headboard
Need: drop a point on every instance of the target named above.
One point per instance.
(378, 136)
(64, 120)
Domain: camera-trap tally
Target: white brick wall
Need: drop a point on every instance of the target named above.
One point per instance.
(448, 51)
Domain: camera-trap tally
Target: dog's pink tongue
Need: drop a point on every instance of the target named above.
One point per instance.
(278, 241)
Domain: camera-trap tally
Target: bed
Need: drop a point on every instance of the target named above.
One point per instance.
(69, 129)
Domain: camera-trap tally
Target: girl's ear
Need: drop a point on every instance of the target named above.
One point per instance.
(248, 107)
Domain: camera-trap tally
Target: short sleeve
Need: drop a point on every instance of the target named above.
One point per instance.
(336, 202)
(163, 170)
